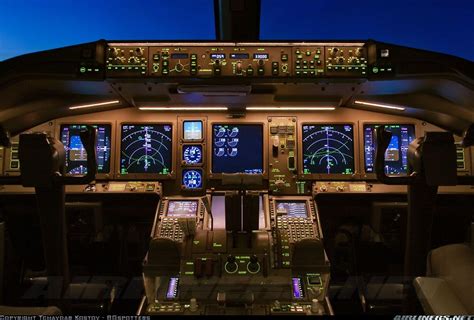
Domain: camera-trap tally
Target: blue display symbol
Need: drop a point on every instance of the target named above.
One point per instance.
(192, 179)
(192, 154)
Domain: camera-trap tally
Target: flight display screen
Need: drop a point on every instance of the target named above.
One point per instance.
(146, 148)
(237, 148)
(192, 178)
(76, 155)
(396, 161)
(328, 149)
(182, 208)
(192, 130)
(295, 209)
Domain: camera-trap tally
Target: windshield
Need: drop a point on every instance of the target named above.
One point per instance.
(34, 25)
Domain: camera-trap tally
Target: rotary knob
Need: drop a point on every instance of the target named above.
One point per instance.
(231, 265)
(179, 67)
(238, 68)
(358, 52)
(139, 52)
(333, 51)
(114, 52)
(253, 266)
(340, 60)
(133, 60)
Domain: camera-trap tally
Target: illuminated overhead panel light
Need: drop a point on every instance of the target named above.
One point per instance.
(182, 108)
(379, 105)
(93, 105)
(290, 108)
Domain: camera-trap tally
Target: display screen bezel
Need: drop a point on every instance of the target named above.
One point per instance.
(145, 176)
(103, 175)
(331, 176)
(210, 151)
(362, 124)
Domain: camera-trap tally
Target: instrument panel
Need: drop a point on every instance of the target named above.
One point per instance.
(192, 152)
(205, 60)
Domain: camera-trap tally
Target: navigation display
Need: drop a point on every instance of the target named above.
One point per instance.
(182, 208)
(146, 148)
(296, 209)
(328, 149)
(396, 161)
(237, 148)
(76, 155)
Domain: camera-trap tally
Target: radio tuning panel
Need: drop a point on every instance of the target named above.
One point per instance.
(228, 60)
(282, 155)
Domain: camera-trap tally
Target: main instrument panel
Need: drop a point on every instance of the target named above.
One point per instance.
(190, 152)
(204, 60)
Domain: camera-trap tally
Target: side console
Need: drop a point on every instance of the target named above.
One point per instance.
(195, 266)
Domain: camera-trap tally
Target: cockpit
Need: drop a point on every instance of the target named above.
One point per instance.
(236, 177)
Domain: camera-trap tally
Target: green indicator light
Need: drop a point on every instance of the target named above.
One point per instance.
(375, 70)
(82, 69)
(189, 273)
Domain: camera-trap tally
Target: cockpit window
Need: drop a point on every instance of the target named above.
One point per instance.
(34, 25)
(425, 24)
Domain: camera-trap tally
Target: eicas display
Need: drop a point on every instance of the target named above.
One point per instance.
(328, 149)
(237, 148)
(146, 148)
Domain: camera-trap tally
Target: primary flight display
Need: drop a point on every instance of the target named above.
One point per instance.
(146, 148)
(396, 161)
(76, 155)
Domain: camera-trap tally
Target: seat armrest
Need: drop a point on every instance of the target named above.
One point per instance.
(436, 297)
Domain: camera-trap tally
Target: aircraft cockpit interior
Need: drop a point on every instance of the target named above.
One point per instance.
(236, 177)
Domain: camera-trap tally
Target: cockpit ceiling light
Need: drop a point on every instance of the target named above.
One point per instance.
(182, 108)
(93, 105)
(290, 108)
(379, 105)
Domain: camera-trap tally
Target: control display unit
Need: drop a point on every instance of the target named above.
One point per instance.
(192, 179)
(328, 149)
(192, 130)
(192, 154)
(76, 155)
(182, 208)
(146, 148)
(396, 161)
(237, 148)
(295, 209)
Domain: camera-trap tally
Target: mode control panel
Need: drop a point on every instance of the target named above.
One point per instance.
(198, 61)
(206, 60)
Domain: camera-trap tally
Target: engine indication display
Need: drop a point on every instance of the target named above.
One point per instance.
(237, 148)
(328, 149)
(76, 155)
(146, 148)
(192, 178)
(396, 161)
(192, 154)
